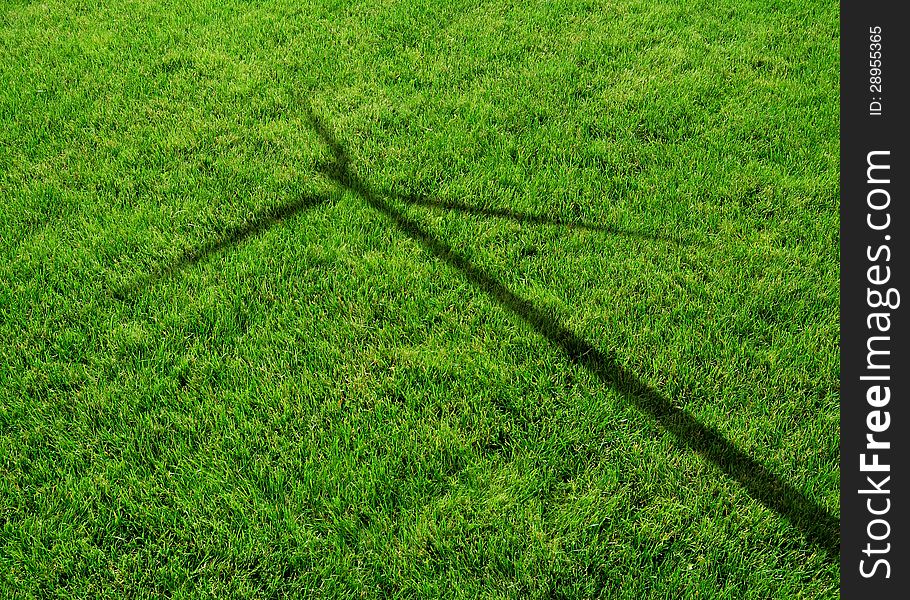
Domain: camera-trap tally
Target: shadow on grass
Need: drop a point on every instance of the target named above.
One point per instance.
(820, 527)
(261, 221)
(533, 219)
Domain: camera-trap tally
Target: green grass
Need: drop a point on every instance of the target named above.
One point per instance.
(418, 298)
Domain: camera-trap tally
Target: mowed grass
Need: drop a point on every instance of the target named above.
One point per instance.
(418, 298)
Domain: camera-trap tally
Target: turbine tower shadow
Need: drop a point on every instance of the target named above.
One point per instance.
(820, 527)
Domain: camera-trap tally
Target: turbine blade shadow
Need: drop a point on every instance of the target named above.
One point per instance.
(533, 219)
(235, 235)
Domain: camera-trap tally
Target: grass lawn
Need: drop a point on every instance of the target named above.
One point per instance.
(419, 299)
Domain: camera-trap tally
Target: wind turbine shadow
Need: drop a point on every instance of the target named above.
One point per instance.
(821, 528)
